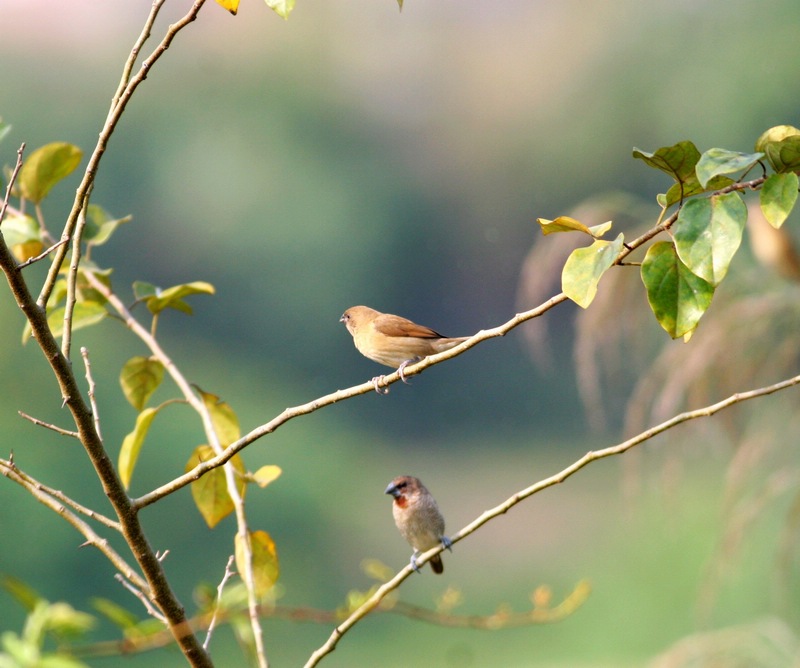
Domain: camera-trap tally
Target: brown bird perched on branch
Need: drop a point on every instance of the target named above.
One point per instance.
(418, 518)
(392, 340)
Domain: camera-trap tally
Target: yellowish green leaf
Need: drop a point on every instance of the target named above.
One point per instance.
(585, 267)
(690, 187)
(157, 300)
(281, 7)
(45, 167)
(265, 561)
(562, 224)
(100, 225)
(266, 474)
(719, 161)
(139, 378)
(598, 231)
(708, 233)
(223, 417)
(85, 314)
(778, 197)
(210, 492)
(132, 445)
(774, 135)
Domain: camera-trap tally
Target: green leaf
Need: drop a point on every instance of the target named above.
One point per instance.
(85, 314)
(677, 297)
(784, 156)
(45, 167)
(100, 225)
(139, 378)
(157, 300)
(210, 492)
(66, 621)
(585, 267)
(778, 197)
(678, 161)
(266, 474)
(223, 417)
(132, 445)
(690, 188)
(25, 595)
(718, 161)
(115, 613)
(708, 233)
(281, 7)
(265, 561)
(142, 290)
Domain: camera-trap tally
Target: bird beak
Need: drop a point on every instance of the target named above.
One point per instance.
(392, 489)
(342, 318)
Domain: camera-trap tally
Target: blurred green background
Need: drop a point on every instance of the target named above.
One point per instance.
(354, 155)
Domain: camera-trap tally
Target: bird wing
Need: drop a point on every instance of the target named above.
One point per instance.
(394, 325)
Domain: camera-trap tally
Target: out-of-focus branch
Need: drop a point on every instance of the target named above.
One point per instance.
(501, 619)
(373, 601)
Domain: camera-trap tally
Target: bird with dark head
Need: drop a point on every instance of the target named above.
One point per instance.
(392, 340)
(418, 518)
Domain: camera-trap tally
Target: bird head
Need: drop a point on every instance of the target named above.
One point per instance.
(355, 316)
(402, 488)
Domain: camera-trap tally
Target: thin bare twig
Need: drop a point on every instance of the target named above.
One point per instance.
(92, 398)
(120, 101)
(373, 601)
(55, 501)
(43, 254)
(144, 598)
(72, 281)
(12, 181)
(60, 496)
(47, 425)
(212, 624)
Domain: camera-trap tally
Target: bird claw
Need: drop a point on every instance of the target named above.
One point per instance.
(447, 543)
(401, 368)
(414, 562)
(379, 390)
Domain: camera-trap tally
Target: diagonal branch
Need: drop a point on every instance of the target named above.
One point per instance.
(410, 370)
(334, 397)
(128, 86)
(57, 502)
(373, 601)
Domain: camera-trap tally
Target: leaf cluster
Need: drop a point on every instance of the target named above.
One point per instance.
(705, 230)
